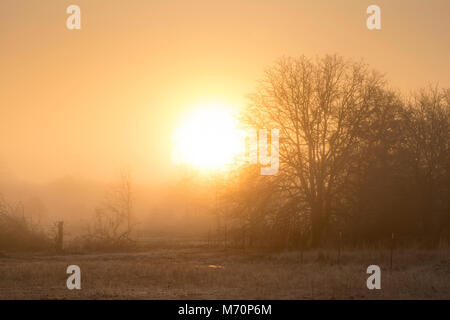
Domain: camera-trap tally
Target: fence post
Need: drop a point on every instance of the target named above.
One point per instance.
(209, 236)
(392, 249)
(339, 248)
(301, 252)
(60, 236)
(225, 235)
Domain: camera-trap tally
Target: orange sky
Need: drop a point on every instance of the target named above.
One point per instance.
(92, 101)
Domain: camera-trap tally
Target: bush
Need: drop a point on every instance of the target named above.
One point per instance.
(16, 233)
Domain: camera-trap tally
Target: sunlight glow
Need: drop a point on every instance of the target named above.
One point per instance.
(208, 138)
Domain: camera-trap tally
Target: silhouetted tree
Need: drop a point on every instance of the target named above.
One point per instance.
(426, 143)
(321, 107)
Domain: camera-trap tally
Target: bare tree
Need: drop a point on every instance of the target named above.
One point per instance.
(427, 141)
(321, 108)
(113, 223)
(18, 233)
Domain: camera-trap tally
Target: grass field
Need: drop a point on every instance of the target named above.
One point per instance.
(198, 272)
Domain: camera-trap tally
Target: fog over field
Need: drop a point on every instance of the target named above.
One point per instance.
(224, 149)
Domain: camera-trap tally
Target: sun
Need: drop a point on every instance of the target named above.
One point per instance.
(208, 138)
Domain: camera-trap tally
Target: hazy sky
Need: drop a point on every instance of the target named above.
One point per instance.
(92, 101)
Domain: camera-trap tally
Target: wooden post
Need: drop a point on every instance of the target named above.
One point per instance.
(225, 235)
(60, 236)
(209, 235)
(302, 246)
(392, 249)
(339, 248)
(301, 252)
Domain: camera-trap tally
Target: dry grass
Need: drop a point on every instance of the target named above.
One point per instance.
(202, 273)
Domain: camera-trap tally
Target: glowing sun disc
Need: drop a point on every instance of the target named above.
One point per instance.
(208, 138)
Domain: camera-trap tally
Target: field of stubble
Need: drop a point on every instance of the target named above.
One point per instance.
(198, 272)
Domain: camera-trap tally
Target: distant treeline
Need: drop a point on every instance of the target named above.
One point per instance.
(358, 160)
